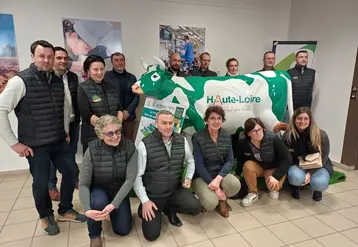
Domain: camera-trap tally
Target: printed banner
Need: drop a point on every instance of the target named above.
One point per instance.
(151, 107)
(286, 53)
(90, 37)
(9, 61)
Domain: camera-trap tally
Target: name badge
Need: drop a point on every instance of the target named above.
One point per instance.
(295, 77)
(96, 98)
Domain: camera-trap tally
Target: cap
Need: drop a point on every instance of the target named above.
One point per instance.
(92, 32)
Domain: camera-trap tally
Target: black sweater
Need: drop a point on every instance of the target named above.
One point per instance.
(303, 146)
(273, 152)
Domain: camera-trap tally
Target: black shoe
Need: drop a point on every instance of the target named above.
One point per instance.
(295, 192)
(174, 219)
(317, 196)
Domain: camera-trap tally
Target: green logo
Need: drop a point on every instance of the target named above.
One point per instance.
(232, 99)
(96, 98)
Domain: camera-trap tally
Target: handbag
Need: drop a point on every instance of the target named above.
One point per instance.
(312, 161)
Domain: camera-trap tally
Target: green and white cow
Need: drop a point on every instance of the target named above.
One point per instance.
(259, 94)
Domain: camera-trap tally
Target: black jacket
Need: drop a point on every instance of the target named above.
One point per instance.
(40, 111)
(273, 152)
(297, 150)
(96, 99)
(179, 73)
(206, 73)
(163, 173)
(303, 79)
(110, 164)
(124, 81)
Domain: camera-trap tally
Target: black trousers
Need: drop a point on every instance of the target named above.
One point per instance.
(58, 154)
(181, 201)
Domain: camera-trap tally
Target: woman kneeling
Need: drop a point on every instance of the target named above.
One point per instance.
(214, 160)
(262, 154)
(108, 172)
(304, 138)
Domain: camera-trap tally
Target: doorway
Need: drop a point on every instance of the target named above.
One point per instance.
(350, 144)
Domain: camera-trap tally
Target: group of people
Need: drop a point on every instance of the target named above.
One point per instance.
(302, 77)
(167, 175)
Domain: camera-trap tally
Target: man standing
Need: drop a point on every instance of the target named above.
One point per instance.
(129, 100)
(70, 81)
(204, 70)
(303, 79)
(161, 158)
(37, 96)
(174, 65)
(188, 52)
(269, 61)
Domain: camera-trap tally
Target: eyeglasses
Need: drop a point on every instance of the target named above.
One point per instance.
(257, 131)
(112, 133)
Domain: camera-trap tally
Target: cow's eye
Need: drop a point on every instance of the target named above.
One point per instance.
(155, 77)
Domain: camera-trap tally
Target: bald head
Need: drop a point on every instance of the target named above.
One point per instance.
(175, 61)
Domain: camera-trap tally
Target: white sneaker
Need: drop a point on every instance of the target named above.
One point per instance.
(274, 195)
(249, 199)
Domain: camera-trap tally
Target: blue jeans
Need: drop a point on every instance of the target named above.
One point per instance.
(319, 179)
(72, 149)
(121, 218)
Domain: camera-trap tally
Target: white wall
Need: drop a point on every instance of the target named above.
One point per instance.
(334, 25)
(243, 29)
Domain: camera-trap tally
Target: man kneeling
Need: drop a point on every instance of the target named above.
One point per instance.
(161, 157)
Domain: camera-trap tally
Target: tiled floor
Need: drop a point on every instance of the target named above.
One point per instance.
(304, 223)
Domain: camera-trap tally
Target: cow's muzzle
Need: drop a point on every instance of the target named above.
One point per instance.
(137, 89)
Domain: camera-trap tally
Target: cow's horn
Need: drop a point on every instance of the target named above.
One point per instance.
(160, 63)
(145, 66)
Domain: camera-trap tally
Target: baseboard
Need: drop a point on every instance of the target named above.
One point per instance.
(15, 172)
(343, 166)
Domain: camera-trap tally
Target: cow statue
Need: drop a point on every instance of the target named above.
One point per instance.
(260, 94)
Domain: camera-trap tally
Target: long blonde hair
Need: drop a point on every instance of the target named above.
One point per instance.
(315, 134)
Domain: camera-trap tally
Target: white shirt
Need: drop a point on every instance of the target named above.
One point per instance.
(142, 163)
(69, 97)
(14, 91)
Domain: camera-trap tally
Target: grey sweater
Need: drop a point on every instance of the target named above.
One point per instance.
(86, 171)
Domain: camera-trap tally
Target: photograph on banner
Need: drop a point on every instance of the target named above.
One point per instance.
(90, 37)
(9, 61)
(286, 53)
(189, 42)
(151, 107)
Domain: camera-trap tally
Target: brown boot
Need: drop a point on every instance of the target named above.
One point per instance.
(96, 242)
(222, 210)
(54, 195)
(228, 206)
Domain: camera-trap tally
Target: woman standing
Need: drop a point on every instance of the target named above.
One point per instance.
(261, 154)
(214, 160)
(304, 138)
(232, 66)
(96, 98)
(108, 172)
